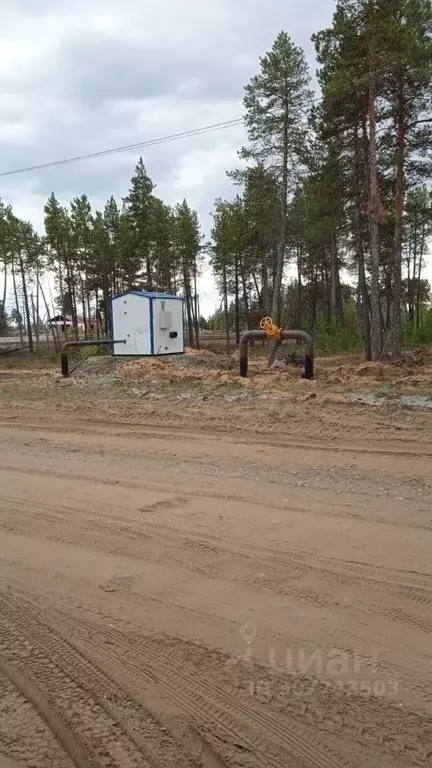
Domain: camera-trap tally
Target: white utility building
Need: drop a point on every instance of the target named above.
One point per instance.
(150, 323)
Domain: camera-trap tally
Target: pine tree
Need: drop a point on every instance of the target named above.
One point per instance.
(101, 269)
(276, 103)
(62, 253)
(112, 222)
(81, 219)
(187, 243)
(262, 224)
(405, 43)
(31, 262)
(13, 244)
(221, 256)
(140, 207)
(348, 77)
(418, 231)
(5, 263)
(165, 262)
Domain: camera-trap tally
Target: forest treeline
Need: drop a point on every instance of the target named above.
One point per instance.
(140, 244)
(334, 190)
(331, 224)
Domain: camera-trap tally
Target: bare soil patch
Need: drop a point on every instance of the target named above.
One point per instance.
(202, 572)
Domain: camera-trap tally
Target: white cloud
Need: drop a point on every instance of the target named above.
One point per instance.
(82, 76)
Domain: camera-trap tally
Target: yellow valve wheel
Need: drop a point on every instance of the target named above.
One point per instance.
(271, 329)
(266, 323)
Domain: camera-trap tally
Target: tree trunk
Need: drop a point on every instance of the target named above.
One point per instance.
(418, 298)
(54, 331)
(61, 288)
(333, 279)
(374, 215)
(258, 292)
(273, 265)
(193, 313)
(71, 288)
(97, 314)
(225, 300)
(327, 300)
(363, 293)
(74, 308)
(37, 306)
(3, 323)
(277, 285)
(81, 292)
(196, 312)
(17, 308)
(245, 295)
(35, 323)
(313, 299)
(148, 271)
(409, 284)
(84, 310)
(364, 310)
(414, 271)
(237, 299)
(105, 303)
(340, 311)
(265, 288)
(70, 292)
(388, 300)
(398, 236)
(4, 288)
(26, 304)
(89, 313)
(299, 317)
(188, 307)
(280, 259)
(191, 316)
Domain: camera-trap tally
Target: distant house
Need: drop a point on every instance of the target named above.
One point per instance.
(65, 321)
(61, 321)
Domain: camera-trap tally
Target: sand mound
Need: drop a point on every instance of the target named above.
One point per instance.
(168, 370)
(199, 352)
(337, 374)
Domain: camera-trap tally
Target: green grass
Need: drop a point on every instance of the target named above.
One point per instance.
(46, 358)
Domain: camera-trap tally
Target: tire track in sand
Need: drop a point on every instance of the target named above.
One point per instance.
(59, 729)
(363, 587)
(102, 725)
(206, 704)
(24, 735)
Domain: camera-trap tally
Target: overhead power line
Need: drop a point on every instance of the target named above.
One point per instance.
(117, 150)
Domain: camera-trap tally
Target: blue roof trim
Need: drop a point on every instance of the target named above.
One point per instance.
(148, 295)
(164, 296)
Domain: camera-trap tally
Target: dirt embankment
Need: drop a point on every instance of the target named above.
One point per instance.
(206, 389)
(338, 373)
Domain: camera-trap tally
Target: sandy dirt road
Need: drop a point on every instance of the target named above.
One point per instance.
(191, 598)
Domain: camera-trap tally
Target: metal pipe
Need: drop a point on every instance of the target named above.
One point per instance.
(67, 344)
(285, 335)
(243, 349)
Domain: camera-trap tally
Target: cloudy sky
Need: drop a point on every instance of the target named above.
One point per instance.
(81, 76)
